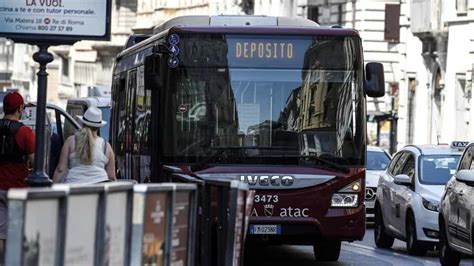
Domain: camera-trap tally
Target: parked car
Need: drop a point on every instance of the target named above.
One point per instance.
(78, 106)
(377, 161)
(408, 196)
(59, 126)
(456, 210)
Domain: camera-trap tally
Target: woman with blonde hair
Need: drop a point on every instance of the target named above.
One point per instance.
(86, 157)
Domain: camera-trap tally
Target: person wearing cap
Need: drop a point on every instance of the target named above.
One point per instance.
(85, 157)
(14, 163)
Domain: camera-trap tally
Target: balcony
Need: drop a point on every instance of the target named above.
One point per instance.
(425, 17)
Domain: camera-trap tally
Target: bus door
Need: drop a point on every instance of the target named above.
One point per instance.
(141, 152)
(129, 127)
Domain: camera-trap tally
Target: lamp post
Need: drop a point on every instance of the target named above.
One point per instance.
(8, 43)
(39, 178)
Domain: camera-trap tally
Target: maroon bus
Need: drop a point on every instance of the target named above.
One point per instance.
(279, 103)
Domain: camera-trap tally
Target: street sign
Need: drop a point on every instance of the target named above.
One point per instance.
(55, 21)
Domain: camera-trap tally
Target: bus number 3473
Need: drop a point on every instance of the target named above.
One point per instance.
(266, 198)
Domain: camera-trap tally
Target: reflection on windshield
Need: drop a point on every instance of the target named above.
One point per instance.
(310, 105)
(437, 170)
(377, 160)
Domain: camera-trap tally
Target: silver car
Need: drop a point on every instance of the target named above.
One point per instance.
(377, 161)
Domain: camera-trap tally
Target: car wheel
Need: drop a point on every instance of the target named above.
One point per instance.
(327, 250)
(414, 247)
(382, 240)
(447, 255)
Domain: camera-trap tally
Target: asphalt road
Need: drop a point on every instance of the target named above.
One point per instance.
(357, 253)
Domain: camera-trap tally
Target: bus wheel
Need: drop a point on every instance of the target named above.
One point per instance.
(382, 240)
(447, 256)
(327, 250)
(414, 247)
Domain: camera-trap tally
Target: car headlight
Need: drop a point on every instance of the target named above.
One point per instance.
(430, 205)
(344, 200)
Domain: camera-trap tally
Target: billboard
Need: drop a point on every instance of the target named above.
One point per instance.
(57, 21)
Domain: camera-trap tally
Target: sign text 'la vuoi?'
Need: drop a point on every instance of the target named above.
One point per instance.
(55, 21)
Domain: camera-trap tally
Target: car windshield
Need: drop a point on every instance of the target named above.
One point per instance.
(437, 169)
(377, 160)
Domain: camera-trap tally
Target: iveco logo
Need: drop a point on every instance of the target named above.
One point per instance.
(268, 180)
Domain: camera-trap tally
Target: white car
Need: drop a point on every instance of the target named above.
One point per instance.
(408, 196)
(377, 161)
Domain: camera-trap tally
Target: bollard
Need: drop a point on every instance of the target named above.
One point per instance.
(36, 224)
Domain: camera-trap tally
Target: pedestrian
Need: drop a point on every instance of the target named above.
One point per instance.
(85, 157)
(17, 148)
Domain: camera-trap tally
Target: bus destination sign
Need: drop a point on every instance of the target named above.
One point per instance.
(55, 20)
(271, 51)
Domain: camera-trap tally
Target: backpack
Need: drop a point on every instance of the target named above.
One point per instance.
(9, 149)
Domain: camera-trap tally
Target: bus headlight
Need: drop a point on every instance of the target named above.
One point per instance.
(344, 200)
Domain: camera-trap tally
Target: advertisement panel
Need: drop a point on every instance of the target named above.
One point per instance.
(179, 251)
(55, 20)
(154, 230)
(80, 232)
(40, 232)
(115, 229)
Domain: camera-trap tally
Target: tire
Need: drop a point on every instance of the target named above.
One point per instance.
(327, 250)
(447, 255)
(382, 240)
(414, 247)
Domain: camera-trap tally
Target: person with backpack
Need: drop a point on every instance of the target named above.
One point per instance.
(17, 150)
(85, 157)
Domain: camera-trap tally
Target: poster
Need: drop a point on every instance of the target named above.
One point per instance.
(81, 229)
(70, 18)
(179, 249)
(115, 229)
(40, 235)
(154, 228)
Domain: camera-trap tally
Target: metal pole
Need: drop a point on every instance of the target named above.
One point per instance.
(39, 178)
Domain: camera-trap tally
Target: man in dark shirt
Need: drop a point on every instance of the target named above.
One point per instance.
(13, 172)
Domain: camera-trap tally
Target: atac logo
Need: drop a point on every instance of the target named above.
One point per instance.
(268, 180)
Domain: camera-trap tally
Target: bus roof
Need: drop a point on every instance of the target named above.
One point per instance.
(232, 21)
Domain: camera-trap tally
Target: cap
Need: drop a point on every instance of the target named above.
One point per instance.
(13, 100)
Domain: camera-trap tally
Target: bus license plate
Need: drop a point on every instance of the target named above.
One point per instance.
(259, 229)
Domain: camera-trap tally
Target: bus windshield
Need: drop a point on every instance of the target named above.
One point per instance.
(265, 99)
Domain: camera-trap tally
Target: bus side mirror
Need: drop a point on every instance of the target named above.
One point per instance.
(374, 83)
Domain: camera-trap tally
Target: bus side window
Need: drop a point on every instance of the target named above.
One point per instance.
(130, 110)
(121, 117)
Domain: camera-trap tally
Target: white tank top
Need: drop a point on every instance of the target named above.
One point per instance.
(88, 174)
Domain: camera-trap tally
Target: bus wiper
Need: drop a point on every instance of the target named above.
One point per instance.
(325, 162)
(220, 150)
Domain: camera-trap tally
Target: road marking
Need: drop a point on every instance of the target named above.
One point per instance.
(388, 253)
